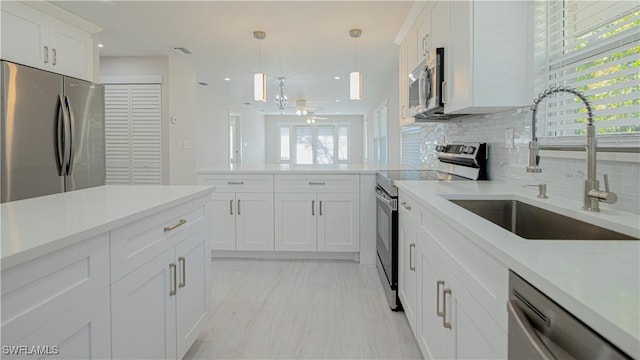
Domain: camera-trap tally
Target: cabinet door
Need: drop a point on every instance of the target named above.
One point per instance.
(296, 222)
(474, 333)
(24, 35)
(438, 23)
(412, 48)
(407, 278)
(432, 336)
(82, 332)
(422, 34)
(254, 221)
(192, 301)
(143, 313)
(460, 32)
(223, 224)
(403, 85)
(338, 222)
(71, 50)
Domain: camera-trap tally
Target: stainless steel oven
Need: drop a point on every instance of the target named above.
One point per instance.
(457, 162)
(387, 243)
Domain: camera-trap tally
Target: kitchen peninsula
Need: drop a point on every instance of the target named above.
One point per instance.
(78, 269)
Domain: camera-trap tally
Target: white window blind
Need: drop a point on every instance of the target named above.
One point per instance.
(133, 134)
(592, 46)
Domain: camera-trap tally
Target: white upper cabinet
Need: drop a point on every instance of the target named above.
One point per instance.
(489, 57)
(34, 38)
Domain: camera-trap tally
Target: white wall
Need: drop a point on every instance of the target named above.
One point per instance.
(178, 101)
(182, 132)
(356, 137)
(213, 106)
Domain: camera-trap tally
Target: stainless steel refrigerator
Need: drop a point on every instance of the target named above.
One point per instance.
(52, 136)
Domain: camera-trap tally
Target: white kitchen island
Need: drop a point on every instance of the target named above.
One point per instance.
(455, 250)
(106, 272)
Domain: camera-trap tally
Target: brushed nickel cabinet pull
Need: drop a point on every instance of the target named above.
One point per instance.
(55, 57)
(235, 182)
(438, 312)
(412, 249)
(173, 227)
(238, 206)
(313, 208)
(231, 207)
(173, 279)
(316, 182)
(183, 281)
(446, 324)
(46, 54)
(320, 207)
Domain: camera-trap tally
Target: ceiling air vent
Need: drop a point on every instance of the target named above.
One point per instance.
(182, 51)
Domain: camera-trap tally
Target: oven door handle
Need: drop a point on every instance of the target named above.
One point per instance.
(391, 203)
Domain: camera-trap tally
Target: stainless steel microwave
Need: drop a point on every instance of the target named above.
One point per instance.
(425, 88)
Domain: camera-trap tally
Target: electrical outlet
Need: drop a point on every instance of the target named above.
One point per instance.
(509, 138)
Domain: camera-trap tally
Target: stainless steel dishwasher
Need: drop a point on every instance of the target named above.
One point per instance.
(540, 329)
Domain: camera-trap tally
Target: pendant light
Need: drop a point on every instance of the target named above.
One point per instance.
(259, 79)
(355, 78)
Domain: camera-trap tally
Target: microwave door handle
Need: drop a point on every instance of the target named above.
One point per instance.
(523, 339)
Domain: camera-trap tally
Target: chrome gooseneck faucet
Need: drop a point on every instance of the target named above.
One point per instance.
(592, 193)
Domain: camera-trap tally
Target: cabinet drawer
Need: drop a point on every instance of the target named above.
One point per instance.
(238, 182)
(35, 292)
(135, 244)
(329, 183)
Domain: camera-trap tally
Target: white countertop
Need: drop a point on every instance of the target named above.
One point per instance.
(597, 281)
(34, 227)
(303, 169)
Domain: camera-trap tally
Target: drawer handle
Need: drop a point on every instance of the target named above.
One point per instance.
(173, 279)
(172, 227)
(438, 312)
(316, 182)
(182, 261)
(446, 324)
(406, 206)
(235, 182)
(412, 249)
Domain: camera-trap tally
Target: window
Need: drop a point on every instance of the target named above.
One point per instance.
(380, 138)
(592, 46)
(313, 144)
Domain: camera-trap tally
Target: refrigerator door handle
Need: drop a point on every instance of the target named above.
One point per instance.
(60, 127)
(72, 134)
(64, 140)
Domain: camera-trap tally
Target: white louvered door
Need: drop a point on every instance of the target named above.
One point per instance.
(133, 134)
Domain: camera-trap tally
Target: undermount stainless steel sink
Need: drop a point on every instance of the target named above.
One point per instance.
(531, 222)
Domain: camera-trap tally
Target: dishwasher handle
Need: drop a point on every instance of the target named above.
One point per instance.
(524, 341)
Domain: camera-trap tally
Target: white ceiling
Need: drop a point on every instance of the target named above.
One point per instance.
(307, 42)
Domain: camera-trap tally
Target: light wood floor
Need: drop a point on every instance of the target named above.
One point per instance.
(301, 309)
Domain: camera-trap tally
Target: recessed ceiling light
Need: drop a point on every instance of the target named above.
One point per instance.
(336, 77)
(337, 112)
(337, 100)
(100, 45)
(227, 79)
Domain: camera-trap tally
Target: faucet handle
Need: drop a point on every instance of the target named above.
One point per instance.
(606, 183)
(542, 190)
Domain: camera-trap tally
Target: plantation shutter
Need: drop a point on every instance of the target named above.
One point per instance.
(411, 141)
(591, 46)
(133, 134)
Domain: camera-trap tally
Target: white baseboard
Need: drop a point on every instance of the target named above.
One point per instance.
(286, 255)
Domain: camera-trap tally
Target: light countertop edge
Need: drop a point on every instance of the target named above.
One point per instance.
(164, 197)
(596, 281)
(299, 169)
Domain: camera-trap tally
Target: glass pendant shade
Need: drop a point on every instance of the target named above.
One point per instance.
(355, 85)
(259, 87)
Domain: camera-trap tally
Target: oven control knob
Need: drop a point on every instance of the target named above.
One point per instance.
(439, 148)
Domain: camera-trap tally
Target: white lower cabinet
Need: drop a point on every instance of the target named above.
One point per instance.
(448, 320)
(160, 308)
(242, 221)
(317, 222)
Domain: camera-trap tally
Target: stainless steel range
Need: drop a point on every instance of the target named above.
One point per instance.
(460, 161)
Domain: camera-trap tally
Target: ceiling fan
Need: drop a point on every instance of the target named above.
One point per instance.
(302, 108)
(311, 118)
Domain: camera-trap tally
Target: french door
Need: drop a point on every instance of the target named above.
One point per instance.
(314, 144)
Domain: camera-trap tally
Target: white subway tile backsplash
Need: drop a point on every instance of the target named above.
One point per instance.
(565, 177)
